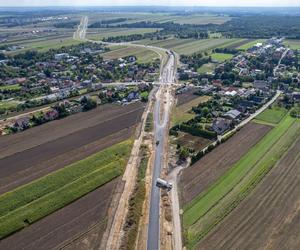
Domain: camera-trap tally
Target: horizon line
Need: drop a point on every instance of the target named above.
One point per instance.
(154, 5)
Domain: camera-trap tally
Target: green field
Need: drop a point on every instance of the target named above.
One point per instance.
(143, 55)
(221, 57)
(35, 200)
(10, 87)
(212, 205)
(98, 34)
(273, 115)
(233, 43)
(251, 44)
(293, 44)
(188, 46)
(7, 105)
(160, 18)
(45, 44)
(207, 68)
(182, 112)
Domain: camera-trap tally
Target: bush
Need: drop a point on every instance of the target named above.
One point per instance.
(197, 131)
(183, 153)
(135, 205)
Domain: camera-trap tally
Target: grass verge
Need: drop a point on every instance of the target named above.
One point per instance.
(136, 205)
(35, 200)
(149, 123)
(272, 115)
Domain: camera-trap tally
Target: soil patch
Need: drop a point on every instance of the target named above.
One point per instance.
(202, 174)
(270, 217)
(61, 227)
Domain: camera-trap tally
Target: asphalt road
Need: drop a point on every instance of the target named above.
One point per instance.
(167, 77)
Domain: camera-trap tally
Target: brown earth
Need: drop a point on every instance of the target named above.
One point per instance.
(195, 142)
(270, 217)
(186, 96)
(30, 138)
(83, 220)
(195, 179)
(46, 148)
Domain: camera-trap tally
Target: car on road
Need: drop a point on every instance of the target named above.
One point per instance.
(163, 184)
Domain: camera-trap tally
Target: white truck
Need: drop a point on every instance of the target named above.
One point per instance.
(163, 184)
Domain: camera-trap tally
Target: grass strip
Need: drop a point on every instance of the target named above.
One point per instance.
(136, 205)
(34, 190)
(239, 192)
(201, 204)
(149, 123)
(273, 115)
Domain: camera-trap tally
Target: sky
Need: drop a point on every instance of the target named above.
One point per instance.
(229, 3)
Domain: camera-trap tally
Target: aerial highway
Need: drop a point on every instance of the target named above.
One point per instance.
(161, 117)
(161, 130)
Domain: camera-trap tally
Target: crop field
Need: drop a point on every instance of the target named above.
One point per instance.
(33, 39)
(221, 57)
(79, 225)
(168, 43)
(186, 96)
(293, 44)
(208, 169)
(181, 113)
(160, 18)
(41, 41)
(45, 44)
(200, 46)
(207, 68)
(143, 55)
(10, 87)
(188, 46)
(194, 142)
(41, 150)
(99, 34)
(237, 43)
(212, 205)
(200, 19)
(7, 105)
(250, 44)
(29, 203)
(273, 115)
(269, 216)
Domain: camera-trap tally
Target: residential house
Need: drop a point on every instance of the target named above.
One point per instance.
(22, 123)
(51, 115)
(61, 56)
(133, 96)
(296, 96)
(232, 114)
(245, 105)
(257, 99)
(261, 85)
(220, 125)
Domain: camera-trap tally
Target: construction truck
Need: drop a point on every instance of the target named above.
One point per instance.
(163, 184)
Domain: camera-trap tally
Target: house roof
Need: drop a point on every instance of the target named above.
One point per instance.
(220, 125)
(233, 113)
